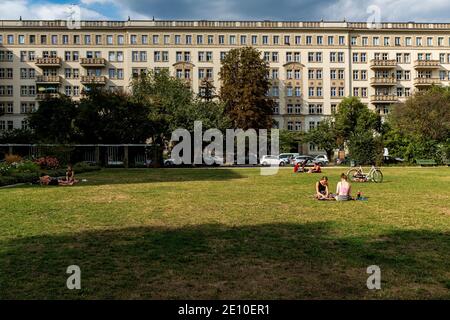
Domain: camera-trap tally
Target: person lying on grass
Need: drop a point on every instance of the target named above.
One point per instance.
(49, 181)
(322, 191)
(315, 169)
(343, 189)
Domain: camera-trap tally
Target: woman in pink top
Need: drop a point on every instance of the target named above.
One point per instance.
(343, 189)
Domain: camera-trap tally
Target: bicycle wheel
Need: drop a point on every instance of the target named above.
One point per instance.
(353, 175)
(377, 176)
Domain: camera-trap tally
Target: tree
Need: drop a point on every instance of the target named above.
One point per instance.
(245, 83)
(324, 136)
(425, 115)
(289, 140)
(172, 105)
(52, 122)
(19, 136)
(112, 117)
(358, 128)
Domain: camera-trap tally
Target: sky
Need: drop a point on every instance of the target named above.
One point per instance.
(336, 10)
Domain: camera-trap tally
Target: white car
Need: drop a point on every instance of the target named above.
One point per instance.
(272, 161)
(321, 159)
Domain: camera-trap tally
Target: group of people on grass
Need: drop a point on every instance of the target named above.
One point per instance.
(300, 168)
(343, 190)
(68, 180)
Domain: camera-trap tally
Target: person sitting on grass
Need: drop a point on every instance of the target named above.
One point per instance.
(297, 167)
(315, 169)
(50, 181)
(70, 174)
(322, 191)
(343, 189)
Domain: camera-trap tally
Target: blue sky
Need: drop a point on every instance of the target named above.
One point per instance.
(352, 10)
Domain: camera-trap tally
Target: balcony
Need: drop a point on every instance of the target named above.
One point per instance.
(377, 81)
(426, 81)
(93, 80)
(389, 98)
(427, 64)
(43, 96)
(383, 64)
(48, 62)
(48, 79)
(93, 62)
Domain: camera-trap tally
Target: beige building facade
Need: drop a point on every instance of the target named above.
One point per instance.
(314, 65)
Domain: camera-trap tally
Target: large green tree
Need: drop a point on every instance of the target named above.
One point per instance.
(245, 84)
(112, 117)
(425, 115)
(324, 136)
(53, 121)
(359, 129)
(420, 127)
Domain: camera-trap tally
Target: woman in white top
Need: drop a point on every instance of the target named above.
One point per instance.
(343, 189)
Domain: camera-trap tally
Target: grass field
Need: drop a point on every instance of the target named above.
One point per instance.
(226, 234)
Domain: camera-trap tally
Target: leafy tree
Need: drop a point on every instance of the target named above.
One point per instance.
(52, 122)
(19, 136)
(112, 117)
(324, 136)
(359, 128)
(289, 140)
(244, 89)
(425, 115)
(172, 105)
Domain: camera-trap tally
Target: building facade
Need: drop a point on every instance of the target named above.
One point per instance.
(313, 65)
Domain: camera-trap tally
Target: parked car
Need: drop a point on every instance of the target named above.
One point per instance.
(300, 159)
(288, 157)
(322, 160)
(272, 160)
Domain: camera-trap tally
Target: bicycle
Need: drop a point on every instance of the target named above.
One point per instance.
(358, 175)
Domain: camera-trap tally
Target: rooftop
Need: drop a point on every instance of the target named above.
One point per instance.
(131, 24)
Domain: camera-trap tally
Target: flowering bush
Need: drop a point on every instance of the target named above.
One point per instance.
(12, 158)
(5, 169)
(49, 163)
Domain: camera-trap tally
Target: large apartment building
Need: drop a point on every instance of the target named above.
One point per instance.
(313, 65)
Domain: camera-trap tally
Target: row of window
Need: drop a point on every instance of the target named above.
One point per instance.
(200, 39)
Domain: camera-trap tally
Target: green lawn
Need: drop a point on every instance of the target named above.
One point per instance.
(224, 234)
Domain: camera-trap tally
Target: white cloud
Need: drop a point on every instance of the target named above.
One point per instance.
(42, 10)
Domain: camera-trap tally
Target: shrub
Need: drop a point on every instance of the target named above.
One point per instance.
(5, 181)
(13, 158)
(28, 167)
(5, 169)
(25, 177)
(85, 167)
(47, 163)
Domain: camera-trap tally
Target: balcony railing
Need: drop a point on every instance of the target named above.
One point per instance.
(426, 81)
(389, 98)
(427, 64)
(42, 96)
(377, 63)
(48, 79)
(381, 81)
(100, 80)
(48, 62)
(93, 62)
